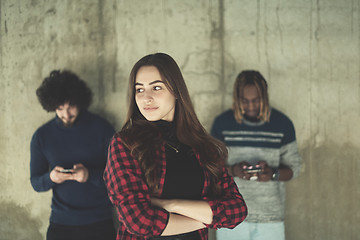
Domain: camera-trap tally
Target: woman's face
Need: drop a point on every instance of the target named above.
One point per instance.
(152, 97)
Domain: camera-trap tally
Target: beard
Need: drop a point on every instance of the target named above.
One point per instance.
(70, 123)
(252, 118)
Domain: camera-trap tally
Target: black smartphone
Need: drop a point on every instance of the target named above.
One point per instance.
(67, 171)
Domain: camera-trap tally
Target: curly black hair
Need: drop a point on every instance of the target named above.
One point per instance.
(63, 87)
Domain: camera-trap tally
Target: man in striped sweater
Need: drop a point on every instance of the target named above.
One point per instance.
(263, 154)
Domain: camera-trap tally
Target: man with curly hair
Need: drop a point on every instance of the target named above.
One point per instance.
(68, 155)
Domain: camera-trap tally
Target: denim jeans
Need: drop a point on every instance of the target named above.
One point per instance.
(253, 231)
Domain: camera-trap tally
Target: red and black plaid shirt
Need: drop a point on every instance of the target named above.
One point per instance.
(130, 194)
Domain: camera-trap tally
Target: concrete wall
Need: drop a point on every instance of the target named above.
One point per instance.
(307, 50)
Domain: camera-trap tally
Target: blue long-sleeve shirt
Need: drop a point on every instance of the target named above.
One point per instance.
(86, 142)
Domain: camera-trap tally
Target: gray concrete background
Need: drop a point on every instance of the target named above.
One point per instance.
(308, 50)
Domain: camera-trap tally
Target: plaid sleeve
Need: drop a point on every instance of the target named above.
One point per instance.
(129, 193)
(229, 210)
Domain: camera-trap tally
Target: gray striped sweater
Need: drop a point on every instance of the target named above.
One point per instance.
(273, 142)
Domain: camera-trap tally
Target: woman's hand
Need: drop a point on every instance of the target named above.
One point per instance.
(196, 209)
(163, 203)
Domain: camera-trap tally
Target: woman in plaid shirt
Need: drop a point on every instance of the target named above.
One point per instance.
(165, 174)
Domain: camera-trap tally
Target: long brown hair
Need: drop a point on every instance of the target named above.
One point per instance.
(246, 78)
(144, 140)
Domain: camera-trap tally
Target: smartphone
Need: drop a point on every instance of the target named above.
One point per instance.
(252, 169)
(67, 171)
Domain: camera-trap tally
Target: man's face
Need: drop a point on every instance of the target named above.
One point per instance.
(67, 113)
(250, 101)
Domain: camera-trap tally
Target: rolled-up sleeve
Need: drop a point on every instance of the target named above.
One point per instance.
(229, 210)
(129, 193)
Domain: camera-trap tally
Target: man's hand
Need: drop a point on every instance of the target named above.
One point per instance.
(285, 172)
(58, 177)
(238, 170)
(81, 173)
(266, 172)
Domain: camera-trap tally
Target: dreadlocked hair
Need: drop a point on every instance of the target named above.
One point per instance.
(254, 78)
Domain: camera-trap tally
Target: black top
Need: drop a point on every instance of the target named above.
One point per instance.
(184, 177)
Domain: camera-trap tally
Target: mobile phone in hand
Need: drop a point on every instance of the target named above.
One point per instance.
(252, 169)
(69, 171)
